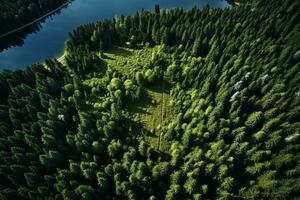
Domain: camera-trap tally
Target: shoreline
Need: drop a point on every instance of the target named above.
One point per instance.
(61, 59)
(34, 21)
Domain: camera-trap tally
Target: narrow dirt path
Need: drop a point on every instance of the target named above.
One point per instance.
(161, 115)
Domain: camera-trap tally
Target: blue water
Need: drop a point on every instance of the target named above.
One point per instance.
(49, 41)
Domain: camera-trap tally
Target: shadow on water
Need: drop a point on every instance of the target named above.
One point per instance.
(18, 38)
(49, 40)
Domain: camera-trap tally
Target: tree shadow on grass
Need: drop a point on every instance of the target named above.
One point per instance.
(100, 68)
(138, 128)
(97, 69)
(161, 86)
(120, 51)
(137, 110)
(104, 56)
(140, 105)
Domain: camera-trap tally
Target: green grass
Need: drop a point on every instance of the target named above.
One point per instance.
(152, 111)
(128, 60)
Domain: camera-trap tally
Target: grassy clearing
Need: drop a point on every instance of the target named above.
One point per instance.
(128, 60)
(152, 111)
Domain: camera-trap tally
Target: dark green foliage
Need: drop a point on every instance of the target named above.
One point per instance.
(161, 170)
(65, 131)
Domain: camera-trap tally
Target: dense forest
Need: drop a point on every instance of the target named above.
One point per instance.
(14, 14)
(230, 128)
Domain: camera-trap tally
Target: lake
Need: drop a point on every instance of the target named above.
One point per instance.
(49, 41)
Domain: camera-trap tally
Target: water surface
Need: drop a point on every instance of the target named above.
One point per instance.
(49, 41)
